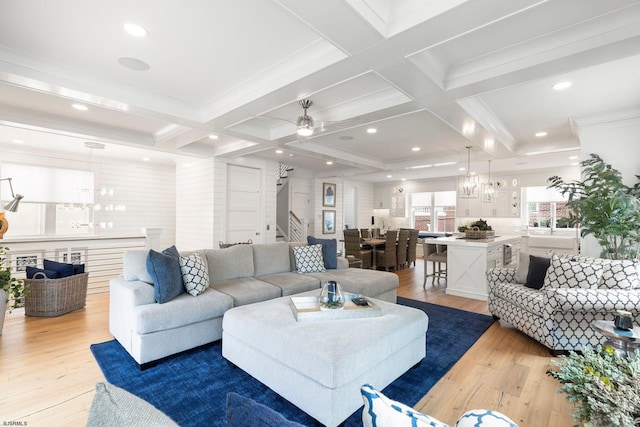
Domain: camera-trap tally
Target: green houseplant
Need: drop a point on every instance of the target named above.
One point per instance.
(604, 387)
(12, 290)
(604, 207)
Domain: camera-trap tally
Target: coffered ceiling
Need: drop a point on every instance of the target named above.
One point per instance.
(436, 75)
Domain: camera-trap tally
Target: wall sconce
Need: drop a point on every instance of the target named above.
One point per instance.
(12, 206)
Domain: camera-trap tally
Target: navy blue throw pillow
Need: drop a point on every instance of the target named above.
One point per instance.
(329, 250)
(78, 268)
(63, 269)
(50, 274)
(164, 269)
(242, 411)
(537, 270)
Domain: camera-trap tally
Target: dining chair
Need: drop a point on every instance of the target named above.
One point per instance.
(401, 248)
(386, 257)
(437, 255)
(412, 247)
(353, 247)
(364, 233)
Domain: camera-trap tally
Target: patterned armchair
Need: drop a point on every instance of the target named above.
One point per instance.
(576, 291)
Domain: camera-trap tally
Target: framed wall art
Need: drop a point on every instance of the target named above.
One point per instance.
(328, 222)
(328, 194)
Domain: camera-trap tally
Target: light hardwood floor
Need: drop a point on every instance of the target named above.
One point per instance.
(48, 375)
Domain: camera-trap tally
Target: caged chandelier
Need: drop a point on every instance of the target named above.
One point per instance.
(469, 186)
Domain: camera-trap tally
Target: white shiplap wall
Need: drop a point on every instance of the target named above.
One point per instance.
(147, 190)
(195, 205)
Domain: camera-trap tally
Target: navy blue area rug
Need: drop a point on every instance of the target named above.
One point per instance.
(191, 387)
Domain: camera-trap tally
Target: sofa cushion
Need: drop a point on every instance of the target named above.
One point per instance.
(247, 290)
(527, 299)
(329, 251)
(164, 269)
(182, 310)
(230, 263)
(113, 406)
(271, 258)
(195, 274)
(292, 283)
(369, 283)
(537, 271)
(134, 266)
(243, 412)
(63, 269)
(309, 259)
(566, 273)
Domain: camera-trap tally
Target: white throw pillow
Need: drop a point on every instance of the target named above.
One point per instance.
(380, 411)
(195, 274)
(566, 273)
(484, 418)
(309, 259)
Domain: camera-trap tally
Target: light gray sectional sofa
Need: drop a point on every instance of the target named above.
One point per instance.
(238, 275)
(576, 291)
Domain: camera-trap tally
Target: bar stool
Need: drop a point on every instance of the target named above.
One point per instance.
(437, 256)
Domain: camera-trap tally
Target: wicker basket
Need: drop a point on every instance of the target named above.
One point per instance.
(55, 297)
(479, 234)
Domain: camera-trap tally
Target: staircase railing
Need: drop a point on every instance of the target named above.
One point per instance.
(297, 228)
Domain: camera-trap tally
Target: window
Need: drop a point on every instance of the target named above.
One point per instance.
(546, 208)
(434, 211)
(57, 202)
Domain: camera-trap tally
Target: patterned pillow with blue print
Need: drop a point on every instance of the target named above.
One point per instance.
(309, 259)
(195, 274)
(484, 418)
(380, 411)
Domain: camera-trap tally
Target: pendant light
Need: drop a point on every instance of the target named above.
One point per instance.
(469, 182)
(489, 189)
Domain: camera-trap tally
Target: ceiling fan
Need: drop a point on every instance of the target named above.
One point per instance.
(305, 125)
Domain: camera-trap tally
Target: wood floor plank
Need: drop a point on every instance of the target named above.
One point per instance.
(48, 374)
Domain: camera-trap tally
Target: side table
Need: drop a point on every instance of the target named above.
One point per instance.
(623, 342)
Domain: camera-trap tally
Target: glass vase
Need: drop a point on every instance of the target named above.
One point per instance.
(331, 296)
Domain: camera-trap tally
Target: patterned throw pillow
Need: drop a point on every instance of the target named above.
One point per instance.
(309, 259)
(380, 411)
(195, 274)
(619, 274)
(566, 273)
(484, 418)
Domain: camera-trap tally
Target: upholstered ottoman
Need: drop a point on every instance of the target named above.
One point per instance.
(319, 366)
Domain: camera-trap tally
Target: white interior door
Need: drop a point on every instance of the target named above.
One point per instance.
(300, 205)
(243, 204)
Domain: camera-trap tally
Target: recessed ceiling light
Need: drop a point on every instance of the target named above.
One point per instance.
(146, 159)
(403, 179)
(561, 85)
(135, 30)
(279, 151)
(80, 107)
(372, 130)
(291, 155)
(18, 141)
(573, 157)
(415, 149)
(212, 136)
(541, 134)
(389, 176)
(329, 162)
(133, 64)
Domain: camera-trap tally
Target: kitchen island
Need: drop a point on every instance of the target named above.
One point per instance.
(469, 259)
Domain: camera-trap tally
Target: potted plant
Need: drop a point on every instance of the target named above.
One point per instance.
(477, 230)
(604, 386)
(601, 205)
(12, 290)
